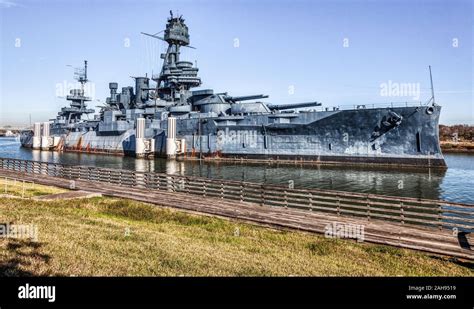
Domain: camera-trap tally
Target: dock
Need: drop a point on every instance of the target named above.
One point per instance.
(433, 226)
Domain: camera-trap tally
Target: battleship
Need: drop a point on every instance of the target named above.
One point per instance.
(171, 119)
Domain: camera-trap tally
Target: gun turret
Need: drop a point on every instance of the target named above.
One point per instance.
(232, 99)
(292, 106)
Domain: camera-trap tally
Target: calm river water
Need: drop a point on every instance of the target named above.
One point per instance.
(455, 184)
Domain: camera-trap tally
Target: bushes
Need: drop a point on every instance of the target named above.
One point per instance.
(465, 132)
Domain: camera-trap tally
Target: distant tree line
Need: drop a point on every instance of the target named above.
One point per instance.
(464, 132)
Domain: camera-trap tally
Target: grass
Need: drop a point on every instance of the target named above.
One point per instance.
(116, 237)
(18, 188)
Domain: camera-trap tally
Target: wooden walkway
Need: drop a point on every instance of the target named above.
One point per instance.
(428, 239)
(70, 195)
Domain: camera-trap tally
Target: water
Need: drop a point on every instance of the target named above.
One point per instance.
(455, 184)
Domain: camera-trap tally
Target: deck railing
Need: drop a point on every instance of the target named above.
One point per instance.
(371, 106)
(411, 211)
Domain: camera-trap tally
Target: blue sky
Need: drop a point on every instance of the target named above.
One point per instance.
(291, 50)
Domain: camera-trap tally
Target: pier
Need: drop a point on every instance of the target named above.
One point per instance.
(433, 226)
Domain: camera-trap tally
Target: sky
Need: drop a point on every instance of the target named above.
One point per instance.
(335, 52)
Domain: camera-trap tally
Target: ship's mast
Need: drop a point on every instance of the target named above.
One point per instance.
(81, 76)
(176, 76)
(432, 88)
(77, 97)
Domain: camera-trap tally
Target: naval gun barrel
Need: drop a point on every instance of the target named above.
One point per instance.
(292, 106)
(245, 98)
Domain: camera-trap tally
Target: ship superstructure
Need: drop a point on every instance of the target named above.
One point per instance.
(164, 116)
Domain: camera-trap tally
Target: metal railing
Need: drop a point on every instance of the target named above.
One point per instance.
(370, 106)
(425, 212)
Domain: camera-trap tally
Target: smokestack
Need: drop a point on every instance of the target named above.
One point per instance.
(113, 92)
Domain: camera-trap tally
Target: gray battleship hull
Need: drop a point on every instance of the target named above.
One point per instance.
(335, 136)
(344, 136)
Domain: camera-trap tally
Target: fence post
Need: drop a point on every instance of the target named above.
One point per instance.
(368, 207)
(169, 183)
(440, 221)
(262, 194)
(310, 201)
(402, 214)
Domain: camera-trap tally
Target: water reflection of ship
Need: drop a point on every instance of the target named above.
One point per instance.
(420, 183)
(163, 166)
(144, 165)
(45, 156)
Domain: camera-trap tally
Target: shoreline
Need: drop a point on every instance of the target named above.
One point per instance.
(459, 147)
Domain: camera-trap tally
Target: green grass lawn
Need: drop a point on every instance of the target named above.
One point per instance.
(113, 237)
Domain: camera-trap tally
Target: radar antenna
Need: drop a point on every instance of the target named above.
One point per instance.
(80, 74)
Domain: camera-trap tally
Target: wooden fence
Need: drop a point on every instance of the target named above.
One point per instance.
(411, 211)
